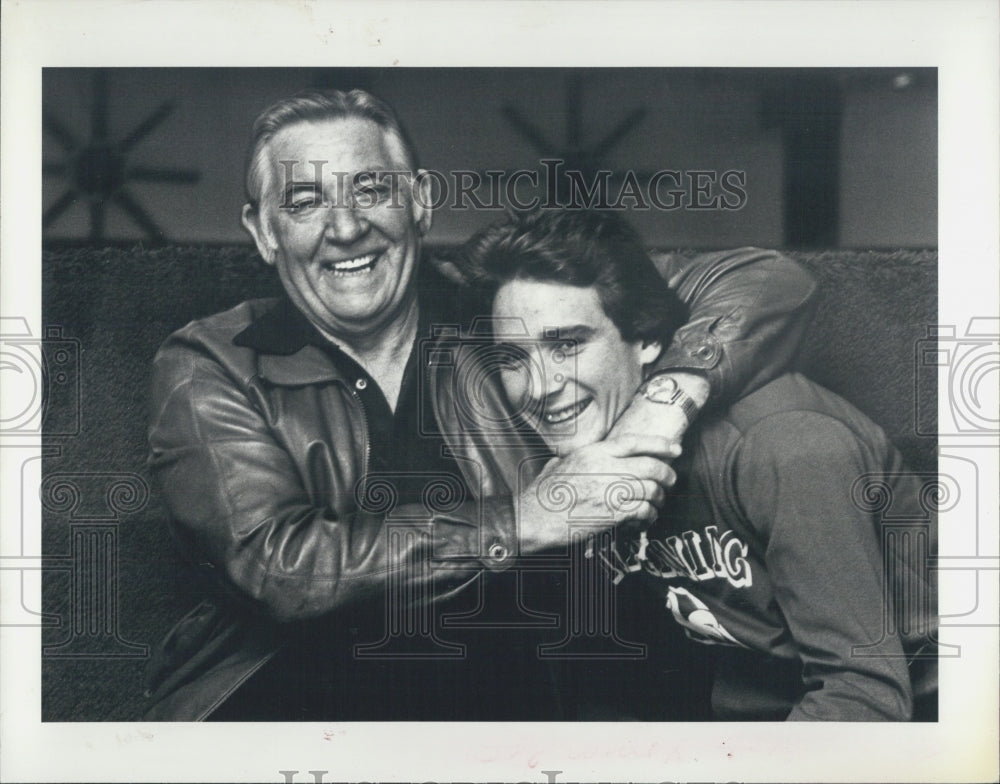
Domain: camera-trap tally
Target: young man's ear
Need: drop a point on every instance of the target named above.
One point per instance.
(254, 223)
(423, 198)
(650, 352)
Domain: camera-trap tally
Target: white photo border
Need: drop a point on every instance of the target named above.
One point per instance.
(958, 38)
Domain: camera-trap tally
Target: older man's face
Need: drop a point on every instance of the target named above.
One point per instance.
(346, 257)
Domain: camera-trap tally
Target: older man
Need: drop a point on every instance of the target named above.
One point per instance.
(762, 551)
(271, 421)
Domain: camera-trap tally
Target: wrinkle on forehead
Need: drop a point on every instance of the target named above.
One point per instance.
(389, 148)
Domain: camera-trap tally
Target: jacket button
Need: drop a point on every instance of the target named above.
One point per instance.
(361, 383)
(704, 351)
(497, 551)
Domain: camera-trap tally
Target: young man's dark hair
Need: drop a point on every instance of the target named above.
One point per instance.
(581, 248)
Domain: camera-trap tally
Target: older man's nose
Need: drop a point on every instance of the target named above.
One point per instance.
(345, 224)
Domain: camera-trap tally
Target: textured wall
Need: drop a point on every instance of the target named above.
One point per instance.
(463, 118)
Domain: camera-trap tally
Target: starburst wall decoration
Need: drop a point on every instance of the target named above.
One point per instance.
(574, 154)
(99, 170)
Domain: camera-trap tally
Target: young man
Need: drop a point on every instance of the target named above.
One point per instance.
(759, 550)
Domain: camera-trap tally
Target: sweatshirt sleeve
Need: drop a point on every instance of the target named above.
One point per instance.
(794, 481)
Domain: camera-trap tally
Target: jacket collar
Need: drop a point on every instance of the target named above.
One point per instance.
(289, 349)
(292, 352)
(281, 329)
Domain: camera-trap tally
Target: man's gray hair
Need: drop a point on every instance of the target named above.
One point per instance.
(318, 105)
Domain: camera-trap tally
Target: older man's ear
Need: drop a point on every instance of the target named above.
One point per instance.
(423, 198)
(258, 229)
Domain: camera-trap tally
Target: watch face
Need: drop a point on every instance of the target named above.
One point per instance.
(661, 389)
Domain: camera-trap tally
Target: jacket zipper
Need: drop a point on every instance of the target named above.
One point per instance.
(455, 443)
(368, 446)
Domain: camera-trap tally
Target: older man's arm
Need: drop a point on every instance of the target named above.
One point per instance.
(241, 507)
(749, 309)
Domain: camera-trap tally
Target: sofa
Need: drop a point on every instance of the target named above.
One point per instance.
(113, 580)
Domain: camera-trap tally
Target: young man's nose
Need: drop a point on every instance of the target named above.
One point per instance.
(534, 380)
(548, 373)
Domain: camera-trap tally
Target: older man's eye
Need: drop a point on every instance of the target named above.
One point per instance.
(369, 194)
(301, 200)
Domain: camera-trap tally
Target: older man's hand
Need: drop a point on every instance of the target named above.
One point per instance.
(615, 481)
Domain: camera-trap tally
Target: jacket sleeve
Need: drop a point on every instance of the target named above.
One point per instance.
(748, 308)
(239, 506)
(824, 560)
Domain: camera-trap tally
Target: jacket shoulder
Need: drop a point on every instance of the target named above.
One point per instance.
(210, 340)
(225, 325)
(675, 266)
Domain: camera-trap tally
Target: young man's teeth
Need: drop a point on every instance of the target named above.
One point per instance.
(352, 266)
(565, 414)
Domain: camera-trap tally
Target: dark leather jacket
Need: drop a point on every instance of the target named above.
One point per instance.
(259, 457)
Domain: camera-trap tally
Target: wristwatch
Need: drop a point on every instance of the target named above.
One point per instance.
(663, 389)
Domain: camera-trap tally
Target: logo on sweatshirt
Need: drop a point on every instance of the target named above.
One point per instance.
(700, 623)
(692, 555)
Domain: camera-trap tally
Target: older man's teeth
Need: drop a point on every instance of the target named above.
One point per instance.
(356, 266)
(561, 415)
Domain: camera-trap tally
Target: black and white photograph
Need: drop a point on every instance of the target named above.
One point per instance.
(428, 416)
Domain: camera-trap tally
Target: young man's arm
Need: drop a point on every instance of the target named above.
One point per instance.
(794, 476)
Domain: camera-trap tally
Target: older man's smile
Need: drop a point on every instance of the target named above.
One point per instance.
(359, 265)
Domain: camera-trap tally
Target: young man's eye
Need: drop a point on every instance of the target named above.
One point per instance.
(567, 347)
(509, 358)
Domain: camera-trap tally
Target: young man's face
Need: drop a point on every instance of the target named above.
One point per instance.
(346, 258)
(581, 375)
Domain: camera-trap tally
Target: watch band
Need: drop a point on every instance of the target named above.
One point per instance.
(663, 389)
